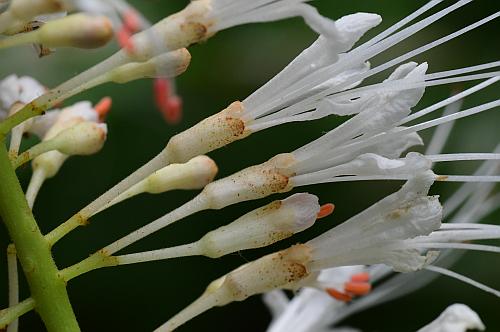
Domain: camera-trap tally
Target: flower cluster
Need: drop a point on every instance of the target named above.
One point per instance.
(391, 248)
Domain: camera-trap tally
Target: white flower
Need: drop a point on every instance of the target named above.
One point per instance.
(379, 234)
(311, 307)
(14, 89)
(456, 318)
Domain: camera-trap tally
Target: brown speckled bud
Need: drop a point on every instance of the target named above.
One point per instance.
(179, 30)
(251, 183)
(210, 134)
(283, 269)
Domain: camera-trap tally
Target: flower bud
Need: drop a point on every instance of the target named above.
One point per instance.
(283, 269)
(84, 138)
(179, 30)
(251, 183)
(263, 226)
(168, 64)
(26, 10)
(79, 30)
(210, 134)
(195, 174)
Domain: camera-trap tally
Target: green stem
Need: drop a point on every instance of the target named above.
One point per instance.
(96, 261)
(48, 288)
(10, 314)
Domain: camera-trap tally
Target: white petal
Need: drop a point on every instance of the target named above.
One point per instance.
(456, 318)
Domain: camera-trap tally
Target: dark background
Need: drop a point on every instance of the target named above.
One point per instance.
(229, 67)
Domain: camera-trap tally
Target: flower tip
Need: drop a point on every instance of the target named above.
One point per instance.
(103, 107)
(172, 110)
(131, 21)
(325, 210)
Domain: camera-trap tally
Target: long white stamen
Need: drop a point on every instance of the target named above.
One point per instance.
(462, 278)
(469, 226)
(452, 203)
(468, 178)
(306, 107)
(426, 47)
(400, 24)
(405, 84)
(461, 71)
(450, 100)
(442, 132)
(404, 57)
(398, 132)
(463, 157)
(308, 179)
(360, 56)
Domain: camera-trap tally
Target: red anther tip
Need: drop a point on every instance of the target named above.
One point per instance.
(325, 210)
(124, 39)
(103, 107)
(338, 295)
(357, 288)
(173, 110)
(161, 92)
(131, 21)
(361, 277)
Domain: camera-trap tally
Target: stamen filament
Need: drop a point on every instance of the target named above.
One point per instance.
(191, 249)
(462, 278)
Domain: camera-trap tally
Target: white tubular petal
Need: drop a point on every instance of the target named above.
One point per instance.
(15, 89)
(369, 165)
(456, 318)
(297, 74)
(371, 236)
(263, 226)
(82, 110)
(276, 301)
(41, 124)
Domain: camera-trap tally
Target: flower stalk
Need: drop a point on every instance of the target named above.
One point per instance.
(33, 251)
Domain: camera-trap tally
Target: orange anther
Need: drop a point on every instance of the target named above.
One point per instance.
(325, 210)
(361, 277)
(357, 288)
(131, 21)
(103, 107)
(339, 295)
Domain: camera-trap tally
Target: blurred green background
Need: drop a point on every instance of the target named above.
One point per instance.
(229, 67)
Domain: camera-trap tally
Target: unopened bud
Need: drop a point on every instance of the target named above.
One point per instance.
(210, 134)
(180, 30)
(84, 138)
(79, 30)
(251, 183)
(195, 174)
(263, 226)
(26, 10)
(284, 269)
(169, 64)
